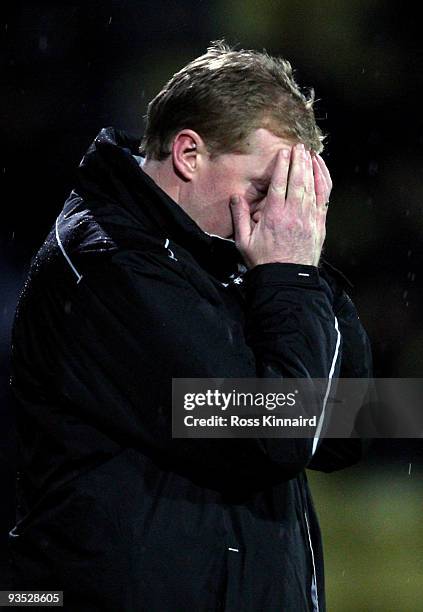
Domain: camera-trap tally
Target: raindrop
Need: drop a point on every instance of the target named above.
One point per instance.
(409, 252)
(373, 168)
(404, 295)
(110, 20)
(42, 43)
(409, 469)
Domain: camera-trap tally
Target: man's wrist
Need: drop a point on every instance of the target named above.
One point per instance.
(278, 273)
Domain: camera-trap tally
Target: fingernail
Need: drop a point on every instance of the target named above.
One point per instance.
(300, 146)
(306, 155)
(286, 153)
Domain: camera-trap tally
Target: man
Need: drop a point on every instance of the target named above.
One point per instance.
(140, 282)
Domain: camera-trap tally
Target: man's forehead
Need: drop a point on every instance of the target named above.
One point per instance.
(262, 150)
(266, 142)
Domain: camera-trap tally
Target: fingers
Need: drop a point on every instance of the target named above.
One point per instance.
(292, 185)
(325, 173)
(309, 201)
(300, 198)
(295, 191)
(320, 186)
(241, 220)
(308, 175)
(276, 194)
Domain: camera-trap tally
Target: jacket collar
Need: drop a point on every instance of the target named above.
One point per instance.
(110, 171)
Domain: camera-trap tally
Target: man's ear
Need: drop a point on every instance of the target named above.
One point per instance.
(187, 149)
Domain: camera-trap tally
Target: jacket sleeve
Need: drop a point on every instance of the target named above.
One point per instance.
(333, 453)
(138, 319)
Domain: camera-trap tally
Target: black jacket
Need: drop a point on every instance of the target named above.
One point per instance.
(126, 293)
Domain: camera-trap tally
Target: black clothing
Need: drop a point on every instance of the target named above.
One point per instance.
(126, 293)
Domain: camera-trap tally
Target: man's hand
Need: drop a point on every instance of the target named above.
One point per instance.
(291, 226)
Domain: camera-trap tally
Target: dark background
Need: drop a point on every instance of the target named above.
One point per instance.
(70, 68)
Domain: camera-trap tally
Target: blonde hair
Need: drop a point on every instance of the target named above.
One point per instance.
(224, 95)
